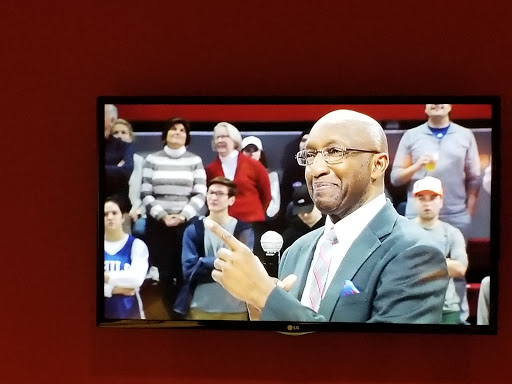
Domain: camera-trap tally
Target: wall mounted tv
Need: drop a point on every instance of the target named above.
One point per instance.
(299, 214)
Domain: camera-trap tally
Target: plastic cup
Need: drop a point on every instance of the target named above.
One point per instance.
(431, 165)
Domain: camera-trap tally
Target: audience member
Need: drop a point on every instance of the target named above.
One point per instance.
(445, 150)
(252, 147)
(306, 217)
(122, 129)
(110, 116)
(486, 180)
(126, 264)
(173, 191)
(367, 264)
(201, 298)
(482, 311)
(249, 175)
(293, 177)
(428, 194)
(118, 161)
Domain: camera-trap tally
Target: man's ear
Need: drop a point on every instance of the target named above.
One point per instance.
(380, 162)
(231, 201)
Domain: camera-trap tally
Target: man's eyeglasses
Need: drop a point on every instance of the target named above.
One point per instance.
(331, 155)
(216, 193)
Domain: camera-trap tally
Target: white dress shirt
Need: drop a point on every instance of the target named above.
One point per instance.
(347, 230)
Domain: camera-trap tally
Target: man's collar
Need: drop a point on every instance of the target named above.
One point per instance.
(363, 214)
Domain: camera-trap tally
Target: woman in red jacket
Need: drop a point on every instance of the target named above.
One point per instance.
(250, 176)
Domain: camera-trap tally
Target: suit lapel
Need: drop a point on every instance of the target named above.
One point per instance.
(364, 245)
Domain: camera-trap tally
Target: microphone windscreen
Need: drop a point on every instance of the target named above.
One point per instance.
(271, 242)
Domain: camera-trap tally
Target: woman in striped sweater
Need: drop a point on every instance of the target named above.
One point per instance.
(173, 191)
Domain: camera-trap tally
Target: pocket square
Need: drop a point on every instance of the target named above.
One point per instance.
(349, 289)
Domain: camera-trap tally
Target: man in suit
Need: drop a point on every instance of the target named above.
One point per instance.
(368, 264)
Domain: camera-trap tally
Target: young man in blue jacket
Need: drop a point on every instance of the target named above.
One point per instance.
(201, 298)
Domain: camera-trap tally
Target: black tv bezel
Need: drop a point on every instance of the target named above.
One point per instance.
(299, 328)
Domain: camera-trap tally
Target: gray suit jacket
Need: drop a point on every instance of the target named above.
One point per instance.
(401, 275)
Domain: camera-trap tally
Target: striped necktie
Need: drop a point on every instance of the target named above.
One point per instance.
(321, 270)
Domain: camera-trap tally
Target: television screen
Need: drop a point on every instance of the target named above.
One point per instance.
(299, 214)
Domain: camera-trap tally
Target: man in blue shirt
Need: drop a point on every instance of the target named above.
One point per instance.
(447, 151)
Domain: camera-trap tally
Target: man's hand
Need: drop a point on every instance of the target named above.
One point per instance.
(424, 159)
(239, 271)
(472, 199)
(286, 284)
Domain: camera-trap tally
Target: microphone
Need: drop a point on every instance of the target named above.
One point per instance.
(271, 242)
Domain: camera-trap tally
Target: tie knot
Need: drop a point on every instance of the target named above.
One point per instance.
(331, 236)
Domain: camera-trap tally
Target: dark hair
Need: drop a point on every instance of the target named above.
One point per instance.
(232, 189)
(254, 148)
(117, 200)
(171, 123)
(263, 159)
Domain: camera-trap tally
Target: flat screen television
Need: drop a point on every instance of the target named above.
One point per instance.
(279, 123)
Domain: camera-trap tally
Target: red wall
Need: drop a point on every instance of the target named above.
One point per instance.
(57, 56)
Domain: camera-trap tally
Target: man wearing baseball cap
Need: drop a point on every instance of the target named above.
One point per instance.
(306, 217)
(428, 196)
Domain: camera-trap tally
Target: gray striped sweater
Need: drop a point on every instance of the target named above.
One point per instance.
(173, 184)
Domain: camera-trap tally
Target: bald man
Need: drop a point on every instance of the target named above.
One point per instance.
(367, 264)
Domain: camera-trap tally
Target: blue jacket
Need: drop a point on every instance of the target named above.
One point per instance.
(197, 267)
(116, 177)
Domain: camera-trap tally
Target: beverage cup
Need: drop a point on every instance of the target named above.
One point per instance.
(431, 165)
